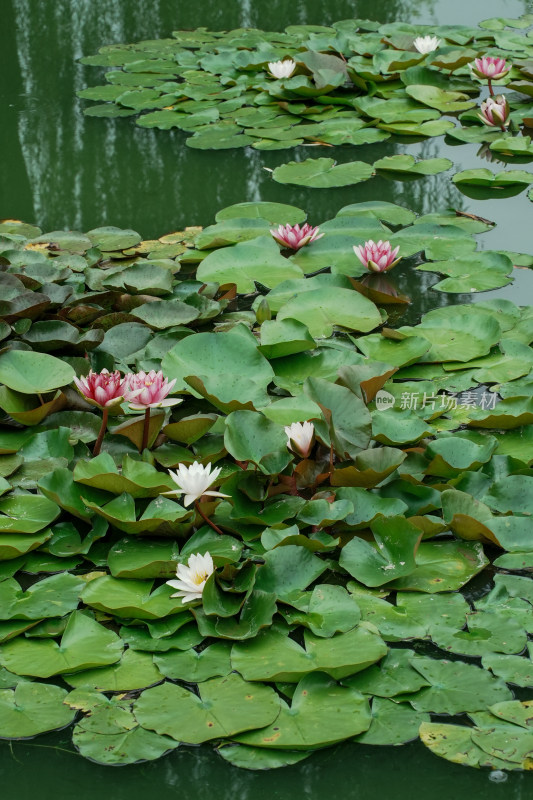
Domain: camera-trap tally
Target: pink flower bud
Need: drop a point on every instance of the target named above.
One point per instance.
(495, 111)
(378, 257)
(295, 237)
(102, 389)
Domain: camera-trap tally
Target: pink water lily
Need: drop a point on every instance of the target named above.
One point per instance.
(149, 390)
(495, 111)
(294, 237)
(378, 257)
(102, 389)
(489, 67)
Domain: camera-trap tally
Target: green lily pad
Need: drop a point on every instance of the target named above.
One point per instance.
(322, 309)
(194, 667)
(443, 566)
(322, 173)
(248, 757)
(26, 513)
(456, 687)
(110, 734)
(393, 676)
(405, 165)
(392, 723)
(228, 369)
(320, 713)
(272, 656)
(135, 670)
(392, 555)
(226, 706)
(247, 263)
(85, 644)
(130, 598)
(33, 708)
(33, 373)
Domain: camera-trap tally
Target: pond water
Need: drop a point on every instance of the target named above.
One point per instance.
(63, 170)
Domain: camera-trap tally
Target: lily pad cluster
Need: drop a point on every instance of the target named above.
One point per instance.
(361, 589)
(355, 82)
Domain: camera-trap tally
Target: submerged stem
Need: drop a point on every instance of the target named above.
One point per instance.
(206, 519)
(98, 443)
(146, 430)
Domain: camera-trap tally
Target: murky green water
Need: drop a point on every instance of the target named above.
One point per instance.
(61, 169)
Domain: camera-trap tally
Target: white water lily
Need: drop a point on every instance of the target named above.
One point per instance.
(194, 481)
(426, 44)
(281, 69)
(300, 437)
(191, 578)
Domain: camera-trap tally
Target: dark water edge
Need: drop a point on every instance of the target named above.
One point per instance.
(36, 769)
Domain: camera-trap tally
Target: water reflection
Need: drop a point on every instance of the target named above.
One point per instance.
(66, 170)
(353, 773)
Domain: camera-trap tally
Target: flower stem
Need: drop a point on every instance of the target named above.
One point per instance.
(490, 88)
(206, 519)
(98, 443)
(146, 430)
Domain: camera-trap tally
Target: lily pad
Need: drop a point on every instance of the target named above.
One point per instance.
(226, 706)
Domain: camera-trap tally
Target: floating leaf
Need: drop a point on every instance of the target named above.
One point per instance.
(226, 706)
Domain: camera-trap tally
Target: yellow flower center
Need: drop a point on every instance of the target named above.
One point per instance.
(199, 577)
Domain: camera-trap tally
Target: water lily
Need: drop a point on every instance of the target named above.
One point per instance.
(426, 44)
(149, 390)
(194, 481)
(300, 437)
(489, 67)
(495, 111)
(102, 389)
(378, 257)
(294, 237)
(192, 578)
(281, 69)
